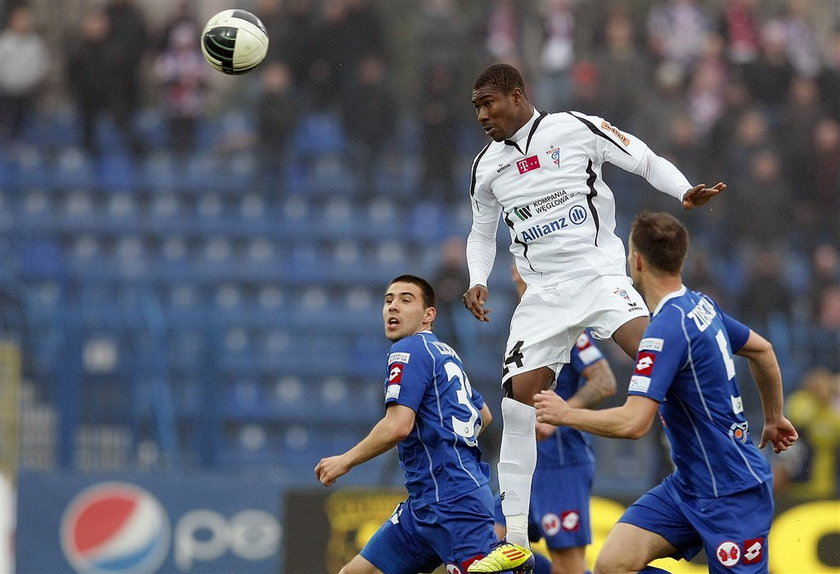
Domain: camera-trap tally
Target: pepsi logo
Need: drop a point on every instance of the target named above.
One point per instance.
(115, 527)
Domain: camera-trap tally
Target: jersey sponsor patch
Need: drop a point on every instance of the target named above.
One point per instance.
(528, 164)
(639, 384)
(392, 392)
(651, 344)
(622, 138)
(753, 550)
(737, 404)
(728, 553)
(644, 364)
(398, 358)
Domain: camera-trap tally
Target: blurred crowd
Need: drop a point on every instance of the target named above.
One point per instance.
(741, 91)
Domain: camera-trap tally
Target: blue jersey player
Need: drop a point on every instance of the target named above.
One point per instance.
(434, 417)
(720, 496)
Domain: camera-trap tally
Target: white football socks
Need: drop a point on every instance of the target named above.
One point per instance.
(517, 461)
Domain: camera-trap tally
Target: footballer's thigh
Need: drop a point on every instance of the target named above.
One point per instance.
(359, 565)
(629, 548)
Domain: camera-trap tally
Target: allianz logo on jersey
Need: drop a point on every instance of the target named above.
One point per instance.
(575, 216)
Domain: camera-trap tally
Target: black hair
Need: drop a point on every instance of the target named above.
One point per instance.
(429, 299)
(504, 77)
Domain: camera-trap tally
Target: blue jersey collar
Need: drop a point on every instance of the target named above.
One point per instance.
(673, 295)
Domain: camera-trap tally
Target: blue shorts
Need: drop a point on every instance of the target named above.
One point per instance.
(733, 529)
(454, 532)
(559, 506)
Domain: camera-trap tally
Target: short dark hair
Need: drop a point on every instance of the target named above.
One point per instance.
(504, 77)
(429, 299)
(661, 239)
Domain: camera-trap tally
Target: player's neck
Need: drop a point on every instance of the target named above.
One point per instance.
(655, 289)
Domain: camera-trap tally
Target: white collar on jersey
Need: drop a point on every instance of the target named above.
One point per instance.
(523, 132)
(678, 293)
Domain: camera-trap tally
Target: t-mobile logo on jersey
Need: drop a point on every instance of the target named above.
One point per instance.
(528, 164)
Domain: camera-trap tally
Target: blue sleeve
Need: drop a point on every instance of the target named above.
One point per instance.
(477, 399)
(662, 352)
(737, 331)
(409, 373)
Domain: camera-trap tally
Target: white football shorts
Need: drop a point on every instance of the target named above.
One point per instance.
(550, 318)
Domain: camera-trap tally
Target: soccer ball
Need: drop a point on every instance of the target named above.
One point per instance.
(234, 41)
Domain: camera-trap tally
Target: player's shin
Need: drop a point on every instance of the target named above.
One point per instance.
(517, 461)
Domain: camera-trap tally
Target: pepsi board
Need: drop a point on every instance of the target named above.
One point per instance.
(121, 524)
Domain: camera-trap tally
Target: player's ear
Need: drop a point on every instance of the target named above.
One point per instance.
(636, 260)
(429, 315)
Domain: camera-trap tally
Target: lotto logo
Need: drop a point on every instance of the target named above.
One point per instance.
(571, 520)
(753, 550)
(645, 364)
(728, 554)
(395, 374)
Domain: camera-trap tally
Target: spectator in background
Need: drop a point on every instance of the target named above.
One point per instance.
(824, 179)
(800, 37)
(798, 120)
(100, 81)
(677, 31)
(277, 113)
(765, 180)
(439, 121)
(739, 25)
(765, 299)
(183, 76)
(451, 279)
(706, 91)
(127, 41)
(769, 77)
(662, 104)
(295, 48)
(502, 40)
(625, 72)
(825, 335)
(25, 62)
(370, 117)
(829, 78)
(553, 86)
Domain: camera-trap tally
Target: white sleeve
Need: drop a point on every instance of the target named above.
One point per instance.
(663, 175)
(632, 154)
(481, 253)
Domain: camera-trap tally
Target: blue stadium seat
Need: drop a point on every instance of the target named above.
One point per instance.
(320, 134)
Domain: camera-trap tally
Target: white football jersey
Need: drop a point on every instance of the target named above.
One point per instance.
(546, 184)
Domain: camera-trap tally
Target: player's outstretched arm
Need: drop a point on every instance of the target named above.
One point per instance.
(700, 195)
(475, 299)
(631, 420)
(391, 429)
(778, 430)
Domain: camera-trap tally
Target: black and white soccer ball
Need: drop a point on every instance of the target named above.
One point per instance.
(234, 41)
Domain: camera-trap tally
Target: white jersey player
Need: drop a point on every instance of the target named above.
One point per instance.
(542, 175)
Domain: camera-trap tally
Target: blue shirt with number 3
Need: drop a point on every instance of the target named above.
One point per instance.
(440, 457)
